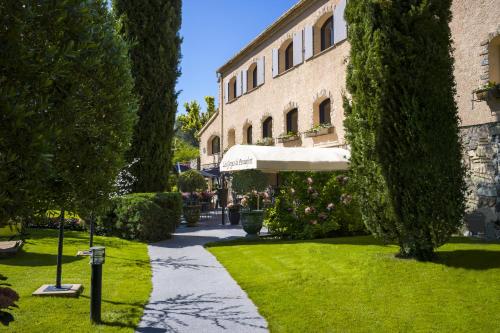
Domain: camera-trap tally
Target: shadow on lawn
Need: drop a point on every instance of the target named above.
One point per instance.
(469, 259)
(36, 259)
(175, 314)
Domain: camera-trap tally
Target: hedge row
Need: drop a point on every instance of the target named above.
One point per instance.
(147, 217)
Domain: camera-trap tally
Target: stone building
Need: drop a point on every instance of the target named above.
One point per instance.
(285, 88)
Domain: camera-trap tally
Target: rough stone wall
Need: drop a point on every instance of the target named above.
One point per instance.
(482, 157)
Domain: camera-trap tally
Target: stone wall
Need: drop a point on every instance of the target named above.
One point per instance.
(482, 157)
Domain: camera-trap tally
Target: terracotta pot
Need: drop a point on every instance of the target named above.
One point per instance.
(252, 221)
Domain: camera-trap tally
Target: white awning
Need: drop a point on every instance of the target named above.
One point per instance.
(275, 159)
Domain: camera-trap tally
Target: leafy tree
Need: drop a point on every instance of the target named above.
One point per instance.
(194, 119)
(81, 75)
(402, 123)
(153, 29)
(183, 151)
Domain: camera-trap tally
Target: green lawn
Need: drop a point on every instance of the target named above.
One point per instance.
(126, 284)
(357, 285)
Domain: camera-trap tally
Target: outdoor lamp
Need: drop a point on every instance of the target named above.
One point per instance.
(97, 255)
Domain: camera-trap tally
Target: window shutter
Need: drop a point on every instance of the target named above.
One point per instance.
(275, 62)
(238, 84)
(226, 91)
(260, 70)
(244, 79)
(308, 42)
(297, 48)
(339, 23)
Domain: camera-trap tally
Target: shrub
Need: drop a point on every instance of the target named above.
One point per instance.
(191, 181)
(142, 216)
(313, 205)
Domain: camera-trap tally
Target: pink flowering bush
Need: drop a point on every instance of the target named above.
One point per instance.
(314, 205)
(8, 299)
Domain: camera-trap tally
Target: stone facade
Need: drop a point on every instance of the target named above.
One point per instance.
(476, 34)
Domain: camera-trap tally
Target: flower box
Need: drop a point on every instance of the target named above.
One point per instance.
(288, 138)
(317, 132)
(490, 91)
(265, 142)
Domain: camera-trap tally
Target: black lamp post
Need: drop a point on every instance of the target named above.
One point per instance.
(97, 256)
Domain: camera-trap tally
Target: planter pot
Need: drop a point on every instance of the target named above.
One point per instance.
(192, 215)
(252, 221)
(495, 91)
(265, 142)
(222, 196)
(234, 216)
(321, 131)
(288, 138)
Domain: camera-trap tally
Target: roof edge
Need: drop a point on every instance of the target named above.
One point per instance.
(266, 33)
(209, 122)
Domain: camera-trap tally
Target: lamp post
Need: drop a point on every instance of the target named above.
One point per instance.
(97, 256)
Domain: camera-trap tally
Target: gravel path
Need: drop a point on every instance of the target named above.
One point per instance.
(192, 291)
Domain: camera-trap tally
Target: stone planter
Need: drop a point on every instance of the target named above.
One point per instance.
(234, 216)
(285, 139)
(265, 142)
(486, 93)
(482, 94)
(192, 215)
(252, 221)
(321, 131)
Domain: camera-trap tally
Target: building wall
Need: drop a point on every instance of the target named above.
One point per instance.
(475, 23)
(302, 87)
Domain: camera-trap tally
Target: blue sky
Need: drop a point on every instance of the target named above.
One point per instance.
(213, 31)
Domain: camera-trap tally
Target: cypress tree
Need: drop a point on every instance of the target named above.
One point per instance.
(402, 122)
(153, 29)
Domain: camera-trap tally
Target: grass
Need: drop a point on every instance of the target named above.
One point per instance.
(356, 284)
(126, 284)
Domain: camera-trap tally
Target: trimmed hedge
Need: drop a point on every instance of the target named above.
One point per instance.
(147, 217)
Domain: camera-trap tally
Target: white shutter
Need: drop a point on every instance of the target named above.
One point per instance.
(276, 57)
(238, 84)
(339, 23)
(297, 48)
(308, 42)
(226, 91)
(260, 70)
(244, 85)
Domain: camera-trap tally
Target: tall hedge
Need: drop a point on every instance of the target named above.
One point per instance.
(153, 29)
(402, 122)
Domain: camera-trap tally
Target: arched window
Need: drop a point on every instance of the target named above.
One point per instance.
(267, 128)
(234, 89)
(289, 56)
(249, 135)
(327, 34)
(324, 112)
(215, 145)
(292, 121)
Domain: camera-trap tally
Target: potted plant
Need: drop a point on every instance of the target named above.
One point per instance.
(287, 137)
(251, 182)
(222, 196)
(192, 181)
(321, 129)
(233, 211)
(490, 89)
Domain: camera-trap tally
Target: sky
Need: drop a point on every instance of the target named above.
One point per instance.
(214, 31)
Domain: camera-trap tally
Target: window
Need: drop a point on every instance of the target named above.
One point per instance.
(292, 121)
(254, 77)
(327, 34)
(231, 138)
(267, 128)
(494, 60)
(234, 89)
(324, 112)
(249, 135)
(215, 145)
(289, 56)
(231, 93)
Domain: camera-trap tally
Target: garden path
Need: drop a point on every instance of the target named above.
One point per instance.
(192, 291)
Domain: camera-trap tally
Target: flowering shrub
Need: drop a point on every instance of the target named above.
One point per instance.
(8, 299)
(313, 205)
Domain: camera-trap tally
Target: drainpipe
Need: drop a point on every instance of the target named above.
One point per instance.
(221, 110)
